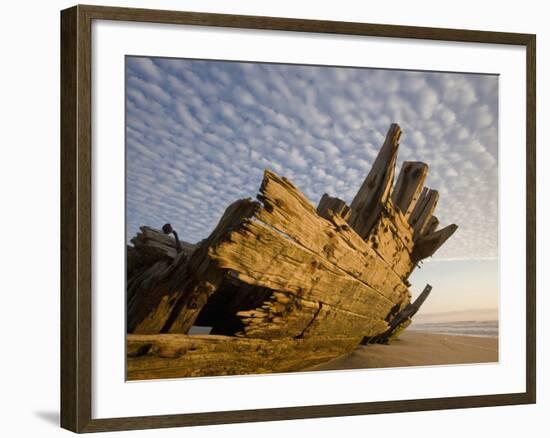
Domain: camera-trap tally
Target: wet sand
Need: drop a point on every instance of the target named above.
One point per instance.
(415, 348)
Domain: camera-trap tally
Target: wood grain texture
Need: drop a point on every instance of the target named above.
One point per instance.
(287, 210)
(76, 208)
(286, 315)
(423, 210)
(69, 251)
(391, 238)
(431, 225)
(409, 186)
(428, 244)
(177, 355)
(76, 297)
(376, 188)
(303, 25)
(329, 206)
(258, 255)
(156, 244)
(531, 218)
(181, 289)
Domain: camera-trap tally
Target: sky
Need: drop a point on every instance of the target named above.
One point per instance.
(464, 289)
(199, 135)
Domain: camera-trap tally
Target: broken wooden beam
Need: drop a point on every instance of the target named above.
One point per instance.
(392, 239)
(409, 186)
(403, 317)
(288, 211)
(423, 210)
(328, 204)
(288, 248)
(428, 244)
(260, 255)
(375, 190)
(155, 242)
(431, 226)
(286, 315)
(174, 301)
(176, 355)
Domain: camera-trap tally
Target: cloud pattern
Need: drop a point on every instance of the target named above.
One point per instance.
(200, 133)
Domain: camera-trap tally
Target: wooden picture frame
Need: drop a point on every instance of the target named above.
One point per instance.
(76, 217)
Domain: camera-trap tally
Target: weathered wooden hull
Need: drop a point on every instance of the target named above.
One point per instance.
(281, 280)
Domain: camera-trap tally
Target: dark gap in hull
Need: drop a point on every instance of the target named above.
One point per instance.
(233, 296)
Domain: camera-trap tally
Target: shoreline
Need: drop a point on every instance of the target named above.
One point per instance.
(452, 334)
(417, 348)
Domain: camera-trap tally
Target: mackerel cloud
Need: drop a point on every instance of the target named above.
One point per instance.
(199, 135)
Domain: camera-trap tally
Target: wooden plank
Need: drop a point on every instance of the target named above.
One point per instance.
(427, 245)
(375, 190)
(431, 226)
(150, 248)
(174, 302)
(145, 279)
(285, 315)
(409, 186)
(203, 274)
(281, 315)
(151, 297)
(423, 210)
(330, 320)
(150, 240)
(177, 355)
(393, 242)
(287, 210)
(261, 255)
(418, 208)
(336, 205)
(403, 230)
(401, 321)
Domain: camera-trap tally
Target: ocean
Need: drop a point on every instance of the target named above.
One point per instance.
(459, 328)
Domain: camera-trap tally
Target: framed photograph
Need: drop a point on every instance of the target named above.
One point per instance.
(269, 218)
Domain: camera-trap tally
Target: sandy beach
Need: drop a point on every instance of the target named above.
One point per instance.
(415, 348)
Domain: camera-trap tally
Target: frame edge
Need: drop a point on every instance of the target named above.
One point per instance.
(69, 346)
(75, 348)
(531, 217)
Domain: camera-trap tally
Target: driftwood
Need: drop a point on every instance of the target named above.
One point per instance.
(181, 290)
(176, 355)
(401, 321)
(375, 190)
(409, 186)
(281, 282)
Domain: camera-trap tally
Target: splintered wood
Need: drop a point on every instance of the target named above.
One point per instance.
(175, 298)
(375, 190)
(283, 281)
(409, 186)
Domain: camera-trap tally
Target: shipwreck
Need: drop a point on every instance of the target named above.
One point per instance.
(284, 285)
